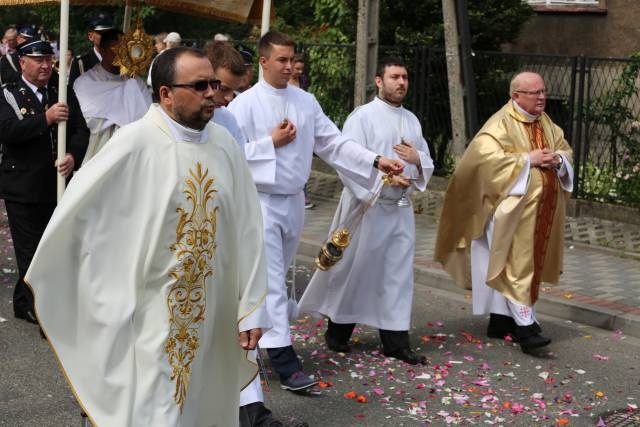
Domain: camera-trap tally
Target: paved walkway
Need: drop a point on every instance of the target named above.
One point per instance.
(600, 286)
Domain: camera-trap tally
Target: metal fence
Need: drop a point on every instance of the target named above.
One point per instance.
(596, 101)
(609, 149)
(330, 68)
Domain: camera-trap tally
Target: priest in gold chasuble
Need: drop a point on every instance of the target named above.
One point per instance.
(150, 278)
(501, 230)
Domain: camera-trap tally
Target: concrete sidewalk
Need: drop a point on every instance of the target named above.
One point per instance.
(600, 286)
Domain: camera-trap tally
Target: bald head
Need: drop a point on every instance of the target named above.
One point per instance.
(526, 78)
(528, 91)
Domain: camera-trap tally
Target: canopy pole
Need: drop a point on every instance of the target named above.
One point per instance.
(266, 15)
(126, 22)
(62, 87)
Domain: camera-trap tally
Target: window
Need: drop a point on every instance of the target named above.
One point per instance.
(564, 2)
(568, 6)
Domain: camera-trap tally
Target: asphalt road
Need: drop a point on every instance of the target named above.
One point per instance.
(470, 380)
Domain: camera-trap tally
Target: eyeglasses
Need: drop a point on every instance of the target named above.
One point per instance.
(200, 85)
(533, 92)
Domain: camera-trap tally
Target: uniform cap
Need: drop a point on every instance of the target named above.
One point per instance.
(247, 54)
(35, 48)
(28, 31)
(101, 23)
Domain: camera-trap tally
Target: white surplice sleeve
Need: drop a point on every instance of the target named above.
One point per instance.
(519, 187)
(565, 174)
(260, 153)
(426, 163)
(342, 153)
(355, 130)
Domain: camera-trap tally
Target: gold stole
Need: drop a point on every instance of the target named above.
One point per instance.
(546, 208)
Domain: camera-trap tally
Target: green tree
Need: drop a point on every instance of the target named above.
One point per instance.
(403, 24)
(614, 111)
(155, 21)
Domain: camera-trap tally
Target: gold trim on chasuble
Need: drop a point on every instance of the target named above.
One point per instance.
(194, 248)
(546, 209)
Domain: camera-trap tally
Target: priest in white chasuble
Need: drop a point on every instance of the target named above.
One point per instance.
(150, 279)
(501, 231)
(373, 283)
(108, 100)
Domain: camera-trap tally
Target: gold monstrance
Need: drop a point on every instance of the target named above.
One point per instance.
(134, 51)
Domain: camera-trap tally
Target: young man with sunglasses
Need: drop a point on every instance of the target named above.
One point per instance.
(283, 126)
(502, 225)
(148, 274)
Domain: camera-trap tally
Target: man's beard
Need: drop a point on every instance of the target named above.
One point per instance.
(393, 98)
(197, 120)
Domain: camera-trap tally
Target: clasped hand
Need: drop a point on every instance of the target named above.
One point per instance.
(544, 158)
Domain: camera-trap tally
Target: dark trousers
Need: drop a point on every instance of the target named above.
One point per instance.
(391, 340)
(27, 222)
(284, 361)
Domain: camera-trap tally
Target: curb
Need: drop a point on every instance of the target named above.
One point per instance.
(560, 308)
(327, 186)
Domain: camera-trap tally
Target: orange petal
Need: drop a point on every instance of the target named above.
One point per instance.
(362, 399)
(351, 395)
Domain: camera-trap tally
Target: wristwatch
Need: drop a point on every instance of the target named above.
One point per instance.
(376, 161)
(559, 165)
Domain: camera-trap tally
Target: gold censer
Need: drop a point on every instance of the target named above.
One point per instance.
(331, 252)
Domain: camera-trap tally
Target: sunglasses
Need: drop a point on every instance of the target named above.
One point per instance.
(200, 85)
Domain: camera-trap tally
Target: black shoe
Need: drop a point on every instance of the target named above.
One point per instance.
(257, 415)
(501, 326)
(408, 356)
(532, 342)
(27, 315)
(334, 345)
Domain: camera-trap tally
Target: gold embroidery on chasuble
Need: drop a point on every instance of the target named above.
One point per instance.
(194, 248)
(546, 209)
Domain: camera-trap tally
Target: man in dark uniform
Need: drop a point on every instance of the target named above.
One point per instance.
(10, 64)
(91, 57)
(29, 113)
